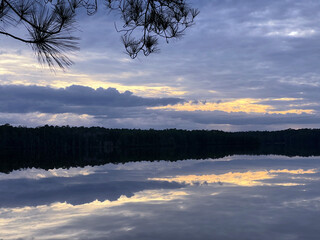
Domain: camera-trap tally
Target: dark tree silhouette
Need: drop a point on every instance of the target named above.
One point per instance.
(50, 24)
(54, 147)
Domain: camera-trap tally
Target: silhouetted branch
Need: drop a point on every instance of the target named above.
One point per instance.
(51, 22)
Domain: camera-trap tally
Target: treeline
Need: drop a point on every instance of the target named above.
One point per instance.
(97, 141)
(52, 146)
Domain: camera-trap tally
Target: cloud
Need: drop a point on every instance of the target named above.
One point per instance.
(74, 99)
(141, 118)
(236, 50)
(241, 118)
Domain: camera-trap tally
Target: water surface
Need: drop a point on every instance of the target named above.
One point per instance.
(239, 197)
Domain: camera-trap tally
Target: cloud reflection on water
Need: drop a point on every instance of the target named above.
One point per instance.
(56, 215)
(250, 178)
(267, 197)
(33, 173)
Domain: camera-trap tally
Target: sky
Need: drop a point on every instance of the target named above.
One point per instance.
(244, 65)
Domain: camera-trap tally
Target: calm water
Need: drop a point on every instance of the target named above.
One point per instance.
(239, 197)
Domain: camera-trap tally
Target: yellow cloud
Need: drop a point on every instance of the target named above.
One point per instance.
(299, 171)
(246, 105)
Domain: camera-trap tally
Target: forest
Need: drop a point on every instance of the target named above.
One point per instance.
(64, 146)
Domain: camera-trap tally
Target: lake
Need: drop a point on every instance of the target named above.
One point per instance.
(237, 197)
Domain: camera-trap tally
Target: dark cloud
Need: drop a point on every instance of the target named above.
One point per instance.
(200, 119)
(219, 117)
(73, 99)
(214, 119)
